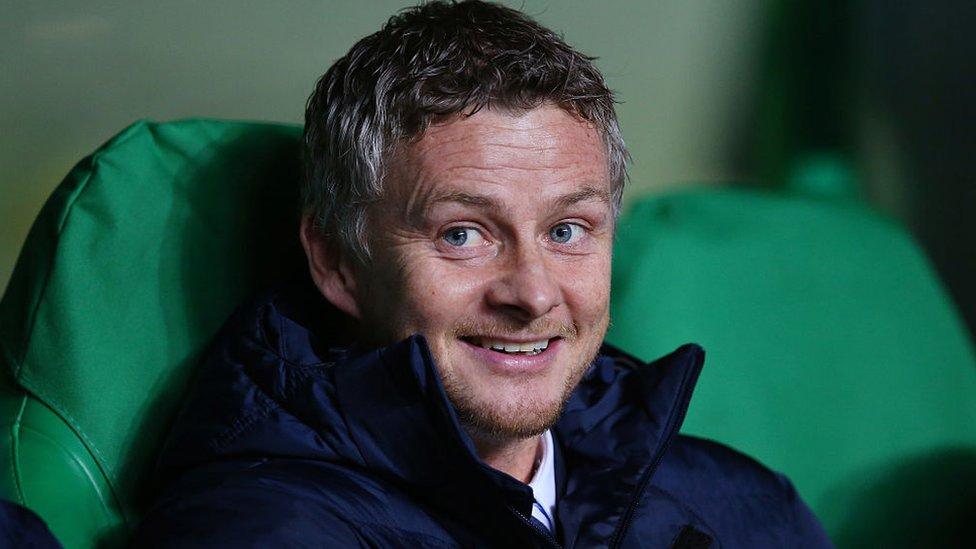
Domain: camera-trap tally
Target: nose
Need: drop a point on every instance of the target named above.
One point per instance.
(527, 288)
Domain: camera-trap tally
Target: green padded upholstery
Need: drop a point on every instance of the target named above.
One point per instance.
(833, 353)
(130, 268)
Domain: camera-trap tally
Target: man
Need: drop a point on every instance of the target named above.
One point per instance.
(440, 381)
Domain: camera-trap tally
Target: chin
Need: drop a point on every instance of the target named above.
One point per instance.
(506, 420)
(502, 397)
(504, 408)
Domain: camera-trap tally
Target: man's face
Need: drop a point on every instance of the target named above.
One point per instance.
(493, 240)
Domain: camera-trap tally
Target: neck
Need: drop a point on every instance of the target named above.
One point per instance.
(514, 457)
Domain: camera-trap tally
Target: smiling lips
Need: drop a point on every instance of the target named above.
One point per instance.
(528, 348)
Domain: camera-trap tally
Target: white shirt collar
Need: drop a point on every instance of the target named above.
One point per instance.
(543, 483)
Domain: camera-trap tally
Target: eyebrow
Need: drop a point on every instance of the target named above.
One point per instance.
(476, 200)
(489, 204)
(583, 195)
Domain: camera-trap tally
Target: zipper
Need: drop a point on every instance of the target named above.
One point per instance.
(545, 534)
(628, 517)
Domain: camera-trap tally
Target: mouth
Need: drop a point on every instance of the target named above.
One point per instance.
(508, 347)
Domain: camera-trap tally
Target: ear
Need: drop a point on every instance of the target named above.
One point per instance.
(331, 270)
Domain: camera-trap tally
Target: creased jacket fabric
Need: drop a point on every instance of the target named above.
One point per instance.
(292, 440)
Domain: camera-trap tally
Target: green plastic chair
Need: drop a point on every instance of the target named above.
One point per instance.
(132, 265)
(834, 354)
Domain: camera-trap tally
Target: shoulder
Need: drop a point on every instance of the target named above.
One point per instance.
(284, 502)
(739, 497)
(705, 466)
(241, 504)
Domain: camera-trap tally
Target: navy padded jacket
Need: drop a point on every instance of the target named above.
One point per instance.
(293, 441)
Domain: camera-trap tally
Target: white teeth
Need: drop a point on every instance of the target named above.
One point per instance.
(532, 347)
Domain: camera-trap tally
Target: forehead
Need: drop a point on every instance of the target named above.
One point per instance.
(542, 150)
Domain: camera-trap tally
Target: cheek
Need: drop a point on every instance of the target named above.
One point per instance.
(431, 295)
(588, 287)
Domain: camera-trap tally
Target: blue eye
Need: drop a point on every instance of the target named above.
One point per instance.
(457, 236)
(463, 237)
(564, 233)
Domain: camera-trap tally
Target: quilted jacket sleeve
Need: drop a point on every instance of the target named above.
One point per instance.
(253, 506)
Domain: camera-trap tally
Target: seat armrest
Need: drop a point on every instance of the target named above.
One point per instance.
(46, 468)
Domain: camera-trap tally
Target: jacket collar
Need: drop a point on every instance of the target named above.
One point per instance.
(614, 431)
(406, 431)
(615, 428)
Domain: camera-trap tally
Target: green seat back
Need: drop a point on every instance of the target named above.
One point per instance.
(833, 353)
(132, 265)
